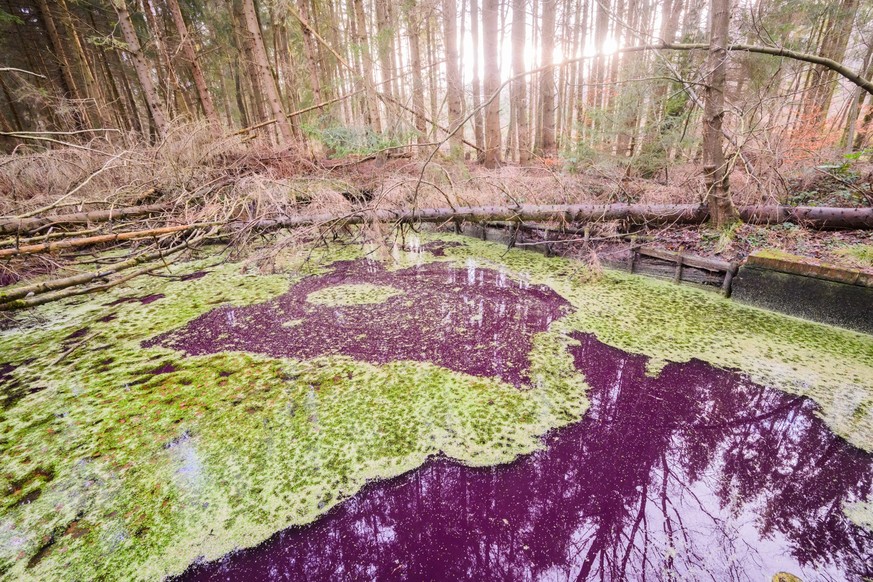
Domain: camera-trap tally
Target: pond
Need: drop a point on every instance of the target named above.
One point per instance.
(695, 474)
(454, 412)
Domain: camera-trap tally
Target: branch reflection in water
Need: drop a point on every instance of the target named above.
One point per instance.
(695, 474)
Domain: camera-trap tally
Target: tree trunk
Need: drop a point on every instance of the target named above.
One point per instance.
(70, 88)
(92, 87)
(367, 64)
(252, 111)
(141, 66)
(812, 216)
(716, 179)
(383, 46)
(478, 123)
(836, 35)
(861, 139)
(310, 50)
(857, 101)
(453, 76)
(433, 73)
(33, 224)
(166, 77)
(569, 102)
(187, 46)
(413, 29)
(490, 9)
(581, 121)
(546, 126)
(263, 72)
(519, 85)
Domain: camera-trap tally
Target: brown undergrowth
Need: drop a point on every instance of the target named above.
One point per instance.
(204, 181)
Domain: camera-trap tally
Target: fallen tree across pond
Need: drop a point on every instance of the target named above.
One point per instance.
(814, 217)
(43, 292)
(53, 290)
(100, 239)
(655, 214)
(29, 225)
(88, 277)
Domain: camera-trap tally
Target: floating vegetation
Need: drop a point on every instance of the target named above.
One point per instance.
(352, 294)
(694, 474)
(197, 420)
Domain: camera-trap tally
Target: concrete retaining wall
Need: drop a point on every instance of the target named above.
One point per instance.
(806, 288)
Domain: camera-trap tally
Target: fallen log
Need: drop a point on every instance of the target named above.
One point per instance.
(65, 293)
(82, 278)
(96, 240)
(63, 288)
(28, 225)
(818, 217)
(649, 213)
(825, 217)
(655, 214)
(49, 235)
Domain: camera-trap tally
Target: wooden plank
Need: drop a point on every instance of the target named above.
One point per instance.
(664, 270)
(689, 260)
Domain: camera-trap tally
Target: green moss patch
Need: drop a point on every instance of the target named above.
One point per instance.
(112, 471)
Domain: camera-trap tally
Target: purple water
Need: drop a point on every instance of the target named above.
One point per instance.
(698, 474)
(194, 275)
(438, 247)
(145, 300)
(150, 298)
(477, 321)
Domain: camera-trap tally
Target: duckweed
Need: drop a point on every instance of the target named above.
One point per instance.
(110, 470)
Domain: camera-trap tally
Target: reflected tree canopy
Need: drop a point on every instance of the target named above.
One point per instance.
(694, 474)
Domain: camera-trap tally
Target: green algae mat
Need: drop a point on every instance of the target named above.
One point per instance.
(176, 419)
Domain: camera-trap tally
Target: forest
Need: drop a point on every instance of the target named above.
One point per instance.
(673, 101)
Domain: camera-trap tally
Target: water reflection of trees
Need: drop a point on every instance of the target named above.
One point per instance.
(473, 320)
(696, 474)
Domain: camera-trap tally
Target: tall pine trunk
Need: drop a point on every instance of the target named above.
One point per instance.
(835, 39)
(490, 9)
(69, 85)
(453, 75)
(716, 179)
(519, 85)
(142, 68)
(187, 46)
(413, 27)
(367, 64)
(546, 125)
(263, 72)
(478, 122)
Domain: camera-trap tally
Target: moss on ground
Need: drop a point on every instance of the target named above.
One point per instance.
(862, 254)
(126, 462)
